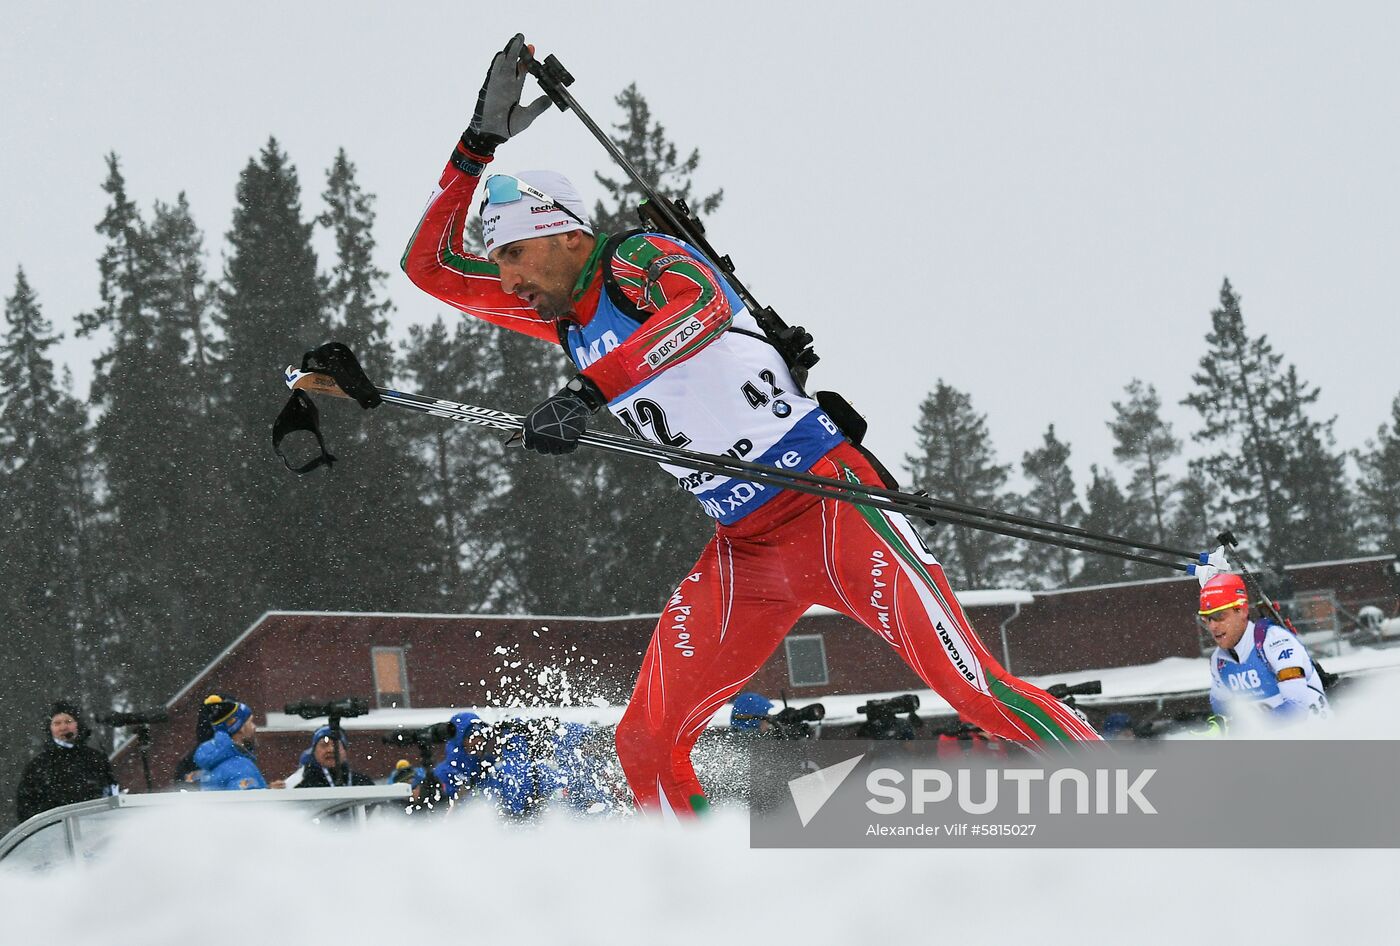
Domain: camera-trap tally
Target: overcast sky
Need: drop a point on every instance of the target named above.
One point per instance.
(1035, 202)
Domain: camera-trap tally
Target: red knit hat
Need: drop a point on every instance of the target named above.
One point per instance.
(1223, 592)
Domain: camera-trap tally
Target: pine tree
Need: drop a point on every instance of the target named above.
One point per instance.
(1378, 489)
(1314, 482)
(185, 465)
(1109, 511)
(1272, 466)
(1233, 401)
(157, 443)
(137, 393)
(360, 318)
(375, 492)
(544, 523)
(272, 308)
(43, 621)
(460, 463)
(1198, 510)
(1144, 442)
(656, 158)
(956, 461)
(1052, 496)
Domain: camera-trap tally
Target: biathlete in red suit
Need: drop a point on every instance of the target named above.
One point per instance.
(671, 350)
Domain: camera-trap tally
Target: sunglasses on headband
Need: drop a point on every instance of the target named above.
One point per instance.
(505, 189)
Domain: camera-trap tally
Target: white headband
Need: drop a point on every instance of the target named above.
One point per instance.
(530, 217)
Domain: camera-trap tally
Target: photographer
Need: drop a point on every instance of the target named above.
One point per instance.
(969, 739)
(65, 770)
(882, 720)
(329, 765)
(580, 756)
(227, 757)
(425, 789)
(458, 766)
(1118, 726)
(751, 714)
(494, 762)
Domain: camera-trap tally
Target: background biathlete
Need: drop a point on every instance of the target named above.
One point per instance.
(1256, 664)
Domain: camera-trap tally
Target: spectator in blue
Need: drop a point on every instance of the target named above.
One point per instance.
(494, 762)
(329, 765)
(580, 754)
(750, 714)
(458, 765)
(1117, 726)
(405, 771)
(226, 759)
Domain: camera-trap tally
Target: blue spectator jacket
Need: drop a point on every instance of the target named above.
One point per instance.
(226, 767)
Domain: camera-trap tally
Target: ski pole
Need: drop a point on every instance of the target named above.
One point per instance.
(859, 493)
(737, 467)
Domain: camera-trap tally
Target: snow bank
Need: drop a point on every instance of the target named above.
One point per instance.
(176, 877)
(173, 880)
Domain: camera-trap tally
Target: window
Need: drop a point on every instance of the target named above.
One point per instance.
(390, 677)
(806, 659)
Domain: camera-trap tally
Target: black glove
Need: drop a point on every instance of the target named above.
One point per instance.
(499, 116)
(555, 424)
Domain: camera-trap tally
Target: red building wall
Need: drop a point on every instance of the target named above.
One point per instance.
(287, 657)
(1111, 626)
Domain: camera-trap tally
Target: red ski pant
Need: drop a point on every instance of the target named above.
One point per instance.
(752, 583)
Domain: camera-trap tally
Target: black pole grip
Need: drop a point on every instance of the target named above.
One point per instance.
(552, 76)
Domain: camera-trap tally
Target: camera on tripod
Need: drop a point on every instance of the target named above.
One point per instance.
(1066, 692)
(424, 739)
(794, 722)
(137, 718)
(882, 718)
(141, 720)
(427, 737)
(343, 708)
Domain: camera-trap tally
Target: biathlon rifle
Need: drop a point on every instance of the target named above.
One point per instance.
(674, 218)
(1251, 581)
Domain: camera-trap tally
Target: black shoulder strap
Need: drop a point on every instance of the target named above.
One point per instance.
(614, 291)
(619, 298)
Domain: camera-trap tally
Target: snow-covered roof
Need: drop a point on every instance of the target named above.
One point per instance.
(1172, 677)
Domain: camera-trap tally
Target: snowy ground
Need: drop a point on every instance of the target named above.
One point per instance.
(169, 879)
(470, 880)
